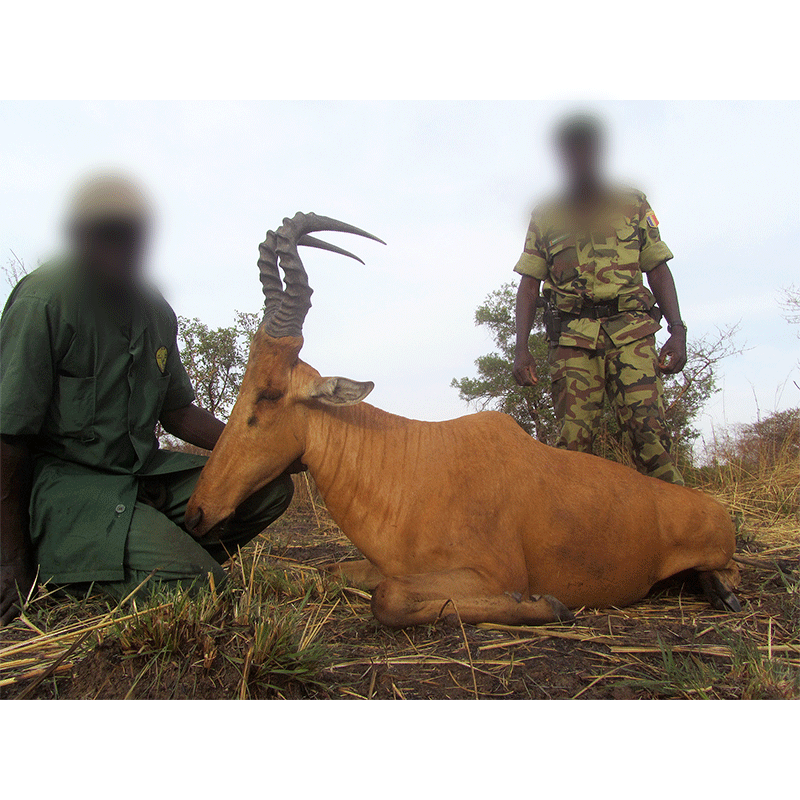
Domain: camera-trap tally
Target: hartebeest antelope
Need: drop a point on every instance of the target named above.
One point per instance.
(469, 517)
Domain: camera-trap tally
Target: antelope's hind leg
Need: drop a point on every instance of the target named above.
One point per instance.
(362, 573)
(400, 602)
(718, 586)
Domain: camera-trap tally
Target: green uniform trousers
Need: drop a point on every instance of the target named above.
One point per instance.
(628, 375)
(157, 540)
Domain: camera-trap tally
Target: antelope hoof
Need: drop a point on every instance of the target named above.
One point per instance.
(563, 614)
(731, 602)
(726, 601)
(718, 594)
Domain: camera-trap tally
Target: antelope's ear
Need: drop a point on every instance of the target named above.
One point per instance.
(341, 391)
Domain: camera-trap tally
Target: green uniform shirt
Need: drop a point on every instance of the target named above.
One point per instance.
(582, 263)
(87, 384)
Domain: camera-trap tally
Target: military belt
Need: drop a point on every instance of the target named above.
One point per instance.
(609, 308)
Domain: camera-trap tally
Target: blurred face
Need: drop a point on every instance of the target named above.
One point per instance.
(112, 250)
(581, 160)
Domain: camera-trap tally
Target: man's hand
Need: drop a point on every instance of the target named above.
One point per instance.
(16, 580)
(525, 369)
(672, 358)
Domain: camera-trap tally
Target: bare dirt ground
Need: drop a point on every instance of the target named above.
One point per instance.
(281, 629)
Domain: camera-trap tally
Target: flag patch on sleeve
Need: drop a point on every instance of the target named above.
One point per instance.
(652, 219)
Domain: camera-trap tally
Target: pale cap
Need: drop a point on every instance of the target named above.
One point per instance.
(108, 197)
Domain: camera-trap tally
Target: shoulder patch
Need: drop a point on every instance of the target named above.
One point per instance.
(652, 219)
(161, 358)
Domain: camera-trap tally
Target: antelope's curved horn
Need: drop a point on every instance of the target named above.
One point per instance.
(312, 223)
(288, 318)
(271, 283)
(311, 241)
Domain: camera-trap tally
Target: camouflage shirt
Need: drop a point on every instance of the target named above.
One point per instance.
(586, 261)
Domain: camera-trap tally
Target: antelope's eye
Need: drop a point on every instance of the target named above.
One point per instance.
(270, 396)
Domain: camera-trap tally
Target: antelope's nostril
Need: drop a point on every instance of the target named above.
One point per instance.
(193, 519)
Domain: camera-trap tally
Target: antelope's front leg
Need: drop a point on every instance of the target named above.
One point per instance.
(362, 574)
(400, 602)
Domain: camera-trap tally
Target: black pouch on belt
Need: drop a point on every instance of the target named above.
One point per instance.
(552, 324)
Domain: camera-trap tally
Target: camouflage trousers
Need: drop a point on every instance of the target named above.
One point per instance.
(628, 375)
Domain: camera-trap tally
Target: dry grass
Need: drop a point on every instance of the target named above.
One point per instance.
(760, 487)
(281, 629)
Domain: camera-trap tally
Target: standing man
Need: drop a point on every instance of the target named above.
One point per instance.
(590, 248)
(89, 363)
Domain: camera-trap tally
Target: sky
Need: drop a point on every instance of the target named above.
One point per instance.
(449, 186)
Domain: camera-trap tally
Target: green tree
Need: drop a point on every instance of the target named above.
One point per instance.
(216, 359)
(495, 388)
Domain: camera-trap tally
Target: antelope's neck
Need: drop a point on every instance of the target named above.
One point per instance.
(350, 452)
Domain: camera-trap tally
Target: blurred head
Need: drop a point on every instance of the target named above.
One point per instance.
(108, 223)
(579, 141)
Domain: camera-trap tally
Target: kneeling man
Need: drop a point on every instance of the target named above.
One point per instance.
(89, 365)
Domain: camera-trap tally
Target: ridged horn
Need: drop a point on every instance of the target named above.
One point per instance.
(269, 275)
(280, 248)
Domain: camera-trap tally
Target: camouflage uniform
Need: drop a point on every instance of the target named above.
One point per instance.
(592, 273)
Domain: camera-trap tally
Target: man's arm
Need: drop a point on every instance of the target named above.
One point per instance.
(527, 299)
(194, 425)
(672, 358)
(17, 569)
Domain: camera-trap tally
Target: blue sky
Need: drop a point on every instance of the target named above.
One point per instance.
(449, 186)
